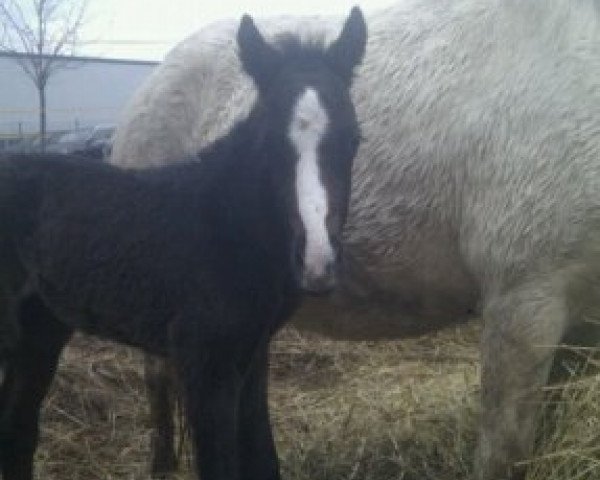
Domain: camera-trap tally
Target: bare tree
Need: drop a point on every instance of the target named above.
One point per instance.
(41, 34)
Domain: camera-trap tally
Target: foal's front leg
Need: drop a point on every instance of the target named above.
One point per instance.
(212, 390)
(210, 377)
(258, 457)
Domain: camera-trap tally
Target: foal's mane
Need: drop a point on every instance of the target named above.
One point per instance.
(292, 47)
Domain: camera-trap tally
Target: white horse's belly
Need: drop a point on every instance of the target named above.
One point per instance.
(383, 294)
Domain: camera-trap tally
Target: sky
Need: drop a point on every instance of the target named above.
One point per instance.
(148, 29)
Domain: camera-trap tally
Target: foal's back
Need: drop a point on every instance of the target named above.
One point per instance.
(122, 245)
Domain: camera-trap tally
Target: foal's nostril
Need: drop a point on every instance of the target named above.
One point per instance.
(337, 254)
(298, 258)
(298, 248)
(320, 283)
(329, 271)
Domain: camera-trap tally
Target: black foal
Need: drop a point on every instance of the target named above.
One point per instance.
(200, 262)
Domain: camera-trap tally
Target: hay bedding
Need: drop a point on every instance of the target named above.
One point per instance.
(402, 410)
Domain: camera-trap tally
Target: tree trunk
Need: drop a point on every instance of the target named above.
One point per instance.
(42, 98)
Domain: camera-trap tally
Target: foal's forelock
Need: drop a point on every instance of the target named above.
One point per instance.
(308, 127)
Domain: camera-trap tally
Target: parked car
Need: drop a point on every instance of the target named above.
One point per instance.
(69, 141)
(99, 144)
(24, 145)
(92, 142)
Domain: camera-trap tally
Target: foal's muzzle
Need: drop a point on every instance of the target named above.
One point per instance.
(316, 274)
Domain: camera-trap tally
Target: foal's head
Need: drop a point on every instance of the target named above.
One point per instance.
(312, 134)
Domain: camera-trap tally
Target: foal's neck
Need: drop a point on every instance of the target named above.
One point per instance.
(242, 183)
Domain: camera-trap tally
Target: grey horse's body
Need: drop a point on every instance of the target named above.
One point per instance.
(476, 190)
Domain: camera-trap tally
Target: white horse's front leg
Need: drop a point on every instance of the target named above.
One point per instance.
(522, 328)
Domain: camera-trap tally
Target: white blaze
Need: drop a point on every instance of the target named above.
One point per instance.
(307, 128)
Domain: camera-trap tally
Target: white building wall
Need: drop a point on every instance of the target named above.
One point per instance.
(86, 93)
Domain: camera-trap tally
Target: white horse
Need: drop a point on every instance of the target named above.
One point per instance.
(476, 190)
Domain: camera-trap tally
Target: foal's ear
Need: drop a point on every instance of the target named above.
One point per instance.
(347, 51)
(259, 59)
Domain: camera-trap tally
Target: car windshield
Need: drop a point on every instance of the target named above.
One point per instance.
(71, 137)
(104, 133)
